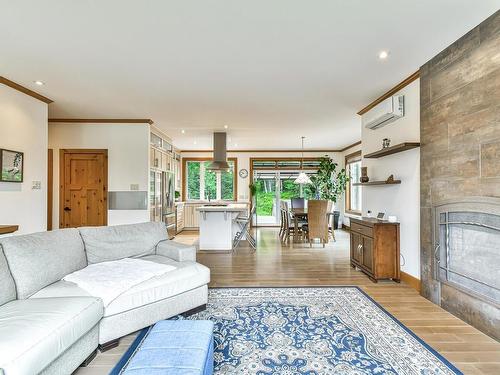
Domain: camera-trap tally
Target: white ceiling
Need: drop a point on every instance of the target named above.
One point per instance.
(270, 70)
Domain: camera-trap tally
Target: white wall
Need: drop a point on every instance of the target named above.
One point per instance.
(23, 127)
(128, 159)
(401, 200)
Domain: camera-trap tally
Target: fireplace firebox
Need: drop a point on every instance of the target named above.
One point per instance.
(467, 246)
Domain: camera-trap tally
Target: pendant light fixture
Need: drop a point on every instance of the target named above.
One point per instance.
(303, 178)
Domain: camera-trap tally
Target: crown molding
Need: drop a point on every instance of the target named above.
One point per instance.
(348, 147)
(391, 92)
(104, 120)
(25, 90)
(279, 150)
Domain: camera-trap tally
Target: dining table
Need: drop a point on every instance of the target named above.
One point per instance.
(297, 215)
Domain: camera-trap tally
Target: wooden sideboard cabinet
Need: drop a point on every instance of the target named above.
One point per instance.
(375, 248)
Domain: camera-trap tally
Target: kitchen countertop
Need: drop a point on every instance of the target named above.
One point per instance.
(232, 207)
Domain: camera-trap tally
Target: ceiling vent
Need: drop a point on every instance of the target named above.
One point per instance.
(219, 162)
(385, 112)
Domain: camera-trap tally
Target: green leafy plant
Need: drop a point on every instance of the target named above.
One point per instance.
(329, 184)
(253, 188)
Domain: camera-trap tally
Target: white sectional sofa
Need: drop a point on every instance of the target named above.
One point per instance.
(50, 326)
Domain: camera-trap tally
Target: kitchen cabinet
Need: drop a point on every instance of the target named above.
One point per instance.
(375, 248)
(191, 216)
(179, 214)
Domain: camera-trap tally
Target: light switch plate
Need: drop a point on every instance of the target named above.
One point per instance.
(134, 187)
(36, 185)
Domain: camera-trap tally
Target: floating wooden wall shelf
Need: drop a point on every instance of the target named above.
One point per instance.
(4, 229)
(375, 183)
(392, 150)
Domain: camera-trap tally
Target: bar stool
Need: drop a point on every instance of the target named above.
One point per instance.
(244, 224)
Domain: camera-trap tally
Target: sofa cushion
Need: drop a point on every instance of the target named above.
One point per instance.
(103, 244)
(39, 259)
(61, 289)
(176, 251)
(7, 286)
(187, 276)
(36, 331)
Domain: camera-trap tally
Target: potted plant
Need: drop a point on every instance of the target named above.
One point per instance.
(328, 183)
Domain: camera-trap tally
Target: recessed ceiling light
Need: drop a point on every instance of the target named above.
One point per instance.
(383, 55)
(183, 131)
(195, 142)
(225, 126)
(235, 145)
(39, 83)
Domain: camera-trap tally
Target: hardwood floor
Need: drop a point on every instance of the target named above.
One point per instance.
(298, 265)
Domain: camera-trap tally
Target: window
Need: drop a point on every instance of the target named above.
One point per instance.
(353, 193)
(285, 163)
(203, 184)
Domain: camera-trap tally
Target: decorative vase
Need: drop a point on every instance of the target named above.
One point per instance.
(364, 175)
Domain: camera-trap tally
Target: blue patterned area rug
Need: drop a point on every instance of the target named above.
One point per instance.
(326, 330)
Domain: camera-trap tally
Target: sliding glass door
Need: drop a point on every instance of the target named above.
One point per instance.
(265, 198)
(274, 187)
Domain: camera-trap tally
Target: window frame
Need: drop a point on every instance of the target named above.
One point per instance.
(350, 159)
(201, 159)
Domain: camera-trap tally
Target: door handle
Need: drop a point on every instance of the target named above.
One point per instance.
(67, 209)
(436, 254)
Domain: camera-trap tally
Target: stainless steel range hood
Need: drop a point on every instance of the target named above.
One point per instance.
(219, 162)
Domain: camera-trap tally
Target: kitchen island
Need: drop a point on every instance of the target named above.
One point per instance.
(217, 225)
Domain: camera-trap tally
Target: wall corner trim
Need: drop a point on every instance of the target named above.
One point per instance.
(391, 92)
(25, 90)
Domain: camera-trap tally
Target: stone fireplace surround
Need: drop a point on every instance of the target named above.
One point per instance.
(460, 172)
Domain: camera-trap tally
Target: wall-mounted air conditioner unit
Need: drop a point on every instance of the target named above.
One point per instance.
(385, 112)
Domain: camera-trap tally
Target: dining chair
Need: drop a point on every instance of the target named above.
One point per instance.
(282, 220)
(317, 226)
(298, 203)
(331, 220)
(289, 227)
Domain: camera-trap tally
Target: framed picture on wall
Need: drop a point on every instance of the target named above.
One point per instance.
(12, 163)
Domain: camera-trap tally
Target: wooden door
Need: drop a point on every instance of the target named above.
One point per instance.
(355, 244)
(50, 186)
(83, 188)
(367, 253)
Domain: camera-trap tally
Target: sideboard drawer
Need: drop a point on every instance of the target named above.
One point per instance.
(364, 230)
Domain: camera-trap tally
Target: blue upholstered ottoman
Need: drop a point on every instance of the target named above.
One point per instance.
(175, 347)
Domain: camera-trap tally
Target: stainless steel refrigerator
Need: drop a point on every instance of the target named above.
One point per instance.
(162, 197)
